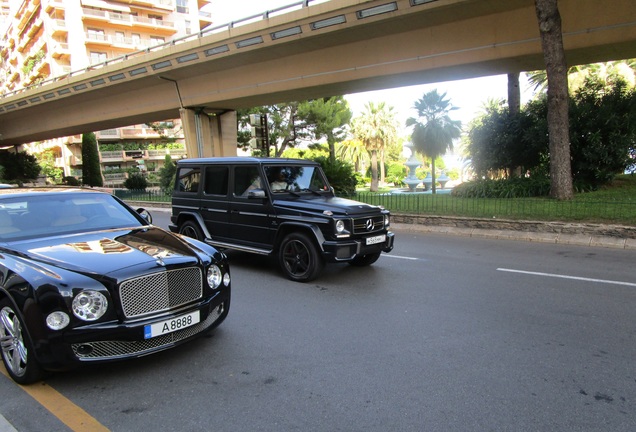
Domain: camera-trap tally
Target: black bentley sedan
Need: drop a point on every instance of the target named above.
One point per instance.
(85, 278)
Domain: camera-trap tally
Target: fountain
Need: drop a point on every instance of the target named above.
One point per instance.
(412, 163)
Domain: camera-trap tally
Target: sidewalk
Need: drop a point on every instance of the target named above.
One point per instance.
(5, 426)
(599, 239)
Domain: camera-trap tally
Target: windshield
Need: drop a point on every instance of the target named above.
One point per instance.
(48, 214)
(293, 178)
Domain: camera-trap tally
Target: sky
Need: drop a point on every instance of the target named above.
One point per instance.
(467, 96)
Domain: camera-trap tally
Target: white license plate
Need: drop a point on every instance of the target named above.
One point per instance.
(376, 239)
(171, 325)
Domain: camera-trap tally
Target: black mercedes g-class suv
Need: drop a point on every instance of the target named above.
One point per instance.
(279, 207)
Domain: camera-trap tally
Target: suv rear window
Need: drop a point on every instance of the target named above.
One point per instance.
(189, 179)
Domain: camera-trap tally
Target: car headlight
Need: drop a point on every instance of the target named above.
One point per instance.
(387, 220)
(57, 320)
(340, 226)
(215, 276)
(89, 305)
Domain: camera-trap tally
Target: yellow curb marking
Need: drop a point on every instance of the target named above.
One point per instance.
(66, 411)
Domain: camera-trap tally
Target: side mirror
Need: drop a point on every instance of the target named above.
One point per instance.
(145, 214)
(256, 193)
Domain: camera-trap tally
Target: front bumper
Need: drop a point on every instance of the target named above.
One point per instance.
(346, 250)
(118, 341)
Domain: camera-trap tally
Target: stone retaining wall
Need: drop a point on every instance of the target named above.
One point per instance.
(620, 231)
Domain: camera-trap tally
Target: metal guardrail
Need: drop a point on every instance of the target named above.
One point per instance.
(205, 32)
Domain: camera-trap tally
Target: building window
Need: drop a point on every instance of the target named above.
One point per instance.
(182, 6)
(120, 37)
(156, 40)
(98, 57)
(96, 34)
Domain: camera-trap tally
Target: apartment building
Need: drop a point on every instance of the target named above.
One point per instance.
(48, 38)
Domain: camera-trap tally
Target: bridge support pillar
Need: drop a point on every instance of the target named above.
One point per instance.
(209, 135)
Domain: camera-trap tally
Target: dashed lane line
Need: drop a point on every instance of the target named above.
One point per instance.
(553, 275)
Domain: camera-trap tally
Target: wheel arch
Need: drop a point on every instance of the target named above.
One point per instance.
(289, 227)
(185, 216)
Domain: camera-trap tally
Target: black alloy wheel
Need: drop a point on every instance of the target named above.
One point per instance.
(191, 229)
(299, 258)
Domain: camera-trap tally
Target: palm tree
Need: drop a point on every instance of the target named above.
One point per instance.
(433, 129)
(376, 128)
(353, 151)
(624, 69)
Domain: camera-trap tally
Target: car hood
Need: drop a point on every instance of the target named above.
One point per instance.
(103, 252)
(338, 206)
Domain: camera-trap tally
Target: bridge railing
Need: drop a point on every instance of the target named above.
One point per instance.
(203, 33)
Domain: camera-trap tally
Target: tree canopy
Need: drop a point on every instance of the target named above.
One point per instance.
(19, 167)
(433, 129)
(376, 128)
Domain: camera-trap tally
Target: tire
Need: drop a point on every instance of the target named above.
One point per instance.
(365, 260)
(17, 349)
(299, 258)
(191, 229)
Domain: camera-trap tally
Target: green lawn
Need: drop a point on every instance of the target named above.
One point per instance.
(615, 203)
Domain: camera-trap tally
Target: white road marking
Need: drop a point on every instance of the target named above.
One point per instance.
(631, 284)
(402, 257)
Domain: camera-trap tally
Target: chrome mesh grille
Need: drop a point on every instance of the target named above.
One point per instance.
(361, 225)
(104, 350)
(160, 291)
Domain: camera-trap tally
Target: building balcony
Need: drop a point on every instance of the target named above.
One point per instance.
(115, 177)
(164, 4)
(127, 20)
(143, 3)
(108, 134)
(111, 156)
(141, 133)
(130, 155)
(58, 28)
(59, 50)
(52, 5)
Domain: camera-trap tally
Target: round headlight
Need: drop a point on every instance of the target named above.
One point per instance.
(387, 220)
(57, 320)
(215, 276)
(89, 305)
(340, 226)
(226, 279)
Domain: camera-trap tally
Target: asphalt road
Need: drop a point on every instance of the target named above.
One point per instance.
(445, 333)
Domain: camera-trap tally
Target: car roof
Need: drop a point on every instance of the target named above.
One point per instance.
(34, 191)
(245, 160)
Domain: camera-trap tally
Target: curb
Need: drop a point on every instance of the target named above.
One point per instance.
(606, 241)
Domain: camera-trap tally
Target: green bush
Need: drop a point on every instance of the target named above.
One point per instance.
(136, 182)
(70, 181)
(340, 174)
(395, 173)
(518, 187)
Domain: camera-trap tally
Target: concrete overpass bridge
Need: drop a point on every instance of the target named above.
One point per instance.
(332, 48)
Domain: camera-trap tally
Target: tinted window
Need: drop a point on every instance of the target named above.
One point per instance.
(246, 178)
(216, 180)
(295, 178)
(188, 179)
